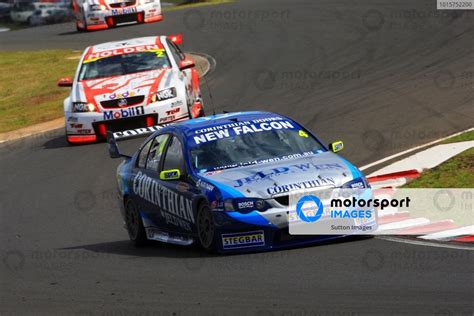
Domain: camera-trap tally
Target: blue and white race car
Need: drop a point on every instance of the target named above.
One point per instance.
(223, 181)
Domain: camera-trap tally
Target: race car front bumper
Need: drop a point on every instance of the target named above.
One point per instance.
(110, 17)
(252, 232)
(99, 129)
(93, 126)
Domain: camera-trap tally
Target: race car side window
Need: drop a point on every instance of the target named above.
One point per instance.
(156, 151)
(174, 156)
(141, 161)
(176, 52)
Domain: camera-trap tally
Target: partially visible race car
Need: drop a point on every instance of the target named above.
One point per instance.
(130, 84)
(223, 181)
(92, 15)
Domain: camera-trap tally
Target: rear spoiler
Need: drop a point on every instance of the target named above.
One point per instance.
(113, 137)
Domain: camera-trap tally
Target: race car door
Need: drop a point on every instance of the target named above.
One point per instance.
(146, 181)
(178, 192)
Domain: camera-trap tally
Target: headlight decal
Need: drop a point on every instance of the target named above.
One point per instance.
(245, 205)
(82, 107)
(97, 7)
(163, 95)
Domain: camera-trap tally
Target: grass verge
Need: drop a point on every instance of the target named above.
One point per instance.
(464, 137)
(457, 172)
(28, 91)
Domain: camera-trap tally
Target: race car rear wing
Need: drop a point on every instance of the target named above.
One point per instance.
(113, 137)
(139, 132)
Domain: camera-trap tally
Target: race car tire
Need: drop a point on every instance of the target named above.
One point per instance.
(206, 228)
(82, 29)
(67, 139)
(134, 224)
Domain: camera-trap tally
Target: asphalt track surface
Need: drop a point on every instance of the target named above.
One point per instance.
(382, 76)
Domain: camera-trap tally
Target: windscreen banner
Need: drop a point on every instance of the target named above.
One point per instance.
(380, 211)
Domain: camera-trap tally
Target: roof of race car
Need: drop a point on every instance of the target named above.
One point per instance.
(133, 42)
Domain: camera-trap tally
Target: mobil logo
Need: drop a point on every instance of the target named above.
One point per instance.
(124, 113)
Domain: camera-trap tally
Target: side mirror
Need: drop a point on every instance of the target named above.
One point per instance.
(65, 82)
(177, 39)
(186, 64)
(172, 174)
(336, 146)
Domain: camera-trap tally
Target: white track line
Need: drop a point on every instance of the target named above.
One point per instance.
(413, 149)
(449, 234)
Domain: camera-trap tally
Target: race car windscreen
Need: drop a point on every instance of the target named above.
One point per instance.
(124, 64)
(231, 148)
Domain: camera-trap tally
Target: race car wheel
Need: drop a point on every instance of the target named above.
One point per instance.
(205, 227)
(78, 28)
(84, 28)
(67, 139)
(134, 224)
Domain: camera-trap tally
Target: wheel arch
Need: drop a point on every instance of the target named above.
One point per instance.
(198, 201)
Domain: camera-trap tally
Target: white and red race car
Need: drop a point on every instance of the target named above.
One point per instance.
(130, 84)
(92, 15)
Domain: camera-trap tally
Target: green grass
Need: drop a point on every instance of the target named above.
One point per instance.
(28, 91)
(457, 172)
(464, 137)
